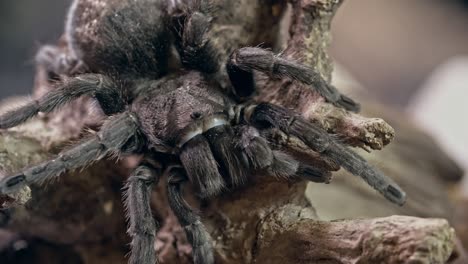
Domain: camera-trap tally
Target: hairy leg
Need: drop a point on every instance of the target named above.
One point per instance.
(142, 227)
(266, 116)
(200, 45)
(232, 164)
(193, 43)
(245, 60)
(102, 88)
(196, 233)
(259, 156)
(202, 169)
(119, 134)
(286, 167)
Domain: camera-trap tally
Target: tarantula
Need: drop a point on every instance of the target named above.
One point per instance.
(187, 125)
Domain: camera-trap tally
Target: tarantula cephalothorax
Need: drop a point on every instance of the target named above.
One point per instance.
(186, 126)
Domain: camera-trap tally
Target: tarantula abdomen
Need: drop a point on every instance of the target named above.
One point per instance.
(120, 37)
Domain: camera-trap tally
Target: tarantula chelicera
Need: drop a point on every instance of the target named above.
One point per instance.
(199, 131)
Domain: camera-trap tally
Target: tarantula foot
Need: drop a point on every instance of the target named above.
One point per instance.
(314, 175)
(12, 184)
(268, 116)
(243, 61)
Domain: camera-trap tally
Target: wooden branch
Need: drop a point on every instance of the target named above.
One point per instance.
(395, 239)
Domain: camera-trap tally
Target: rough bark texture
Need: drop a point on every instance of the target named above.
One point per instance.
(381, 240)
(80, 217)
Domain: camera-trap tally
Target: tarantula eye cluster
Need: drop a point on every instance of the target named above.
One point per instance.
(207, 136)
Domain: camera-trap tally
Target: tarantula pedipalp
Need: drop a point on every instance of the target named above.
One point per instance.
(184, 121)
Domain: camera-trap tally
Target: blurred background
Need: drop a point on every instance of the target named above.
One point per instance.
(392, 47)
(25, 25)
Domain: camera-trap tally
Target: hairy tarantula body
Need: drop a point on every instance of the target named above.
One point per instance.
(195, 124)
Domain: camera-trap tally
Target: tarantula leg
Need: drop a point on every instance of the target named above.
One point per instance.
(201, 167)
(285, 166)
(193, 44)
(242, 80)
(255, 148)
(119, 134)
(259, 156)
(196, 233)
(101, 87)
(142, 227)
(265, 116)
(231, 161)
(244, 60)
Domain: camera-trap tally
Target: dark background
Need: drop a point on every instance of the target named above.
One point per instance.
(25, 25)
(389, 46)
